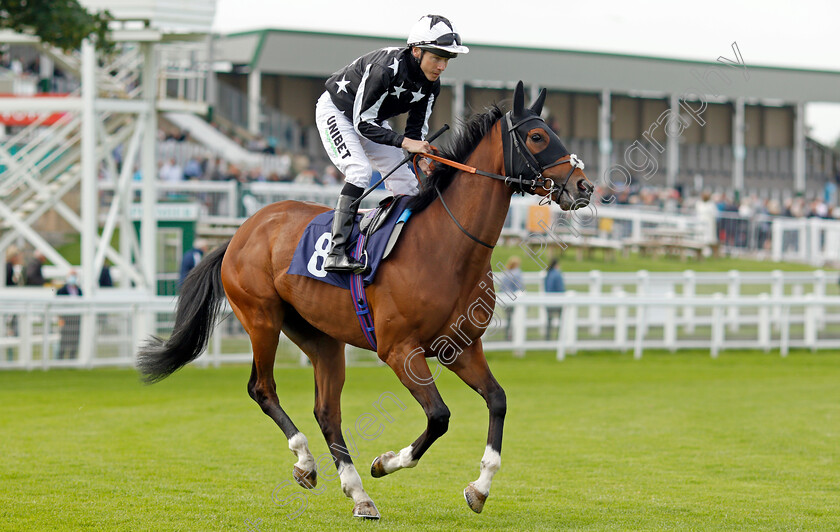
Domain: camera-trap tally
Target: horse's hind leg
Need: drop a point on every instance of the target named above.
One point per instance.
(327, 356)
(262, 323)
(471, 366)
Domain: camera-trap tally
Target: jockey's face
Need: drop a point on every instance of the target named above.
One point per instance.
(432, 65)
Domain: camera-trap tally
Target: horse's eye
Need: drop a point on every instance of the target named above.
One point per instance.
(536, 137)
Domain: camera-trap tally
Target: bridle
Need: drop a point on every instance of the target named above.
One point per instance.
(524, 170)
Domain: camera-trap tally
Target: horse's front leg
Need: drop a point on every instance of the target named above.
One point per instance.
(411, 368)
(471, 366)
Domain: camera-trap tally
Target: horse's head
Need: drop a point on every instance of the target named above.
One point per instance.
(536, 161)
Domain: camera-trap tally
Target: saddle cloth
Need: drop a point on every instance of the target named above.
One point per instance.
(314, 245)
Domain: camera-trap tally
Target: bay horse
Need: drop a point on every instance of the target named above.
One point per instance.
(432, 282)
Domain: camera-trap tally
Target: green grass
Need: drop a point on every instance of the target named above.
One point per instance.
(598, 442)
(635, 262)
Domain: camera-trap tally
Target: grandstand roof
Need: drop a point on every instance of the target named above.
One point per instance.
(304, 53)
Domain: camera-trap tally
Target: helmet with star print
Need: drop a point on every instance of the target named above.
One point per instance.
(436, 34)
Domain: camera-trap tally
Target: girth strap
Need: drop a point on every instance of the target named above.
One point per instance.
(360, 302)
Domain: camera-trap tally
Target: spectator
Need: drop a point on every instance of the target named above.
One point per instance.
(171, 172)
(33, 274)
(191, 258)
(331, 176)
(192, 170)
(13, 262)
(13, 278)
(105, 280)
(68, 324)
(511, 285)
(271, 148)
(707, 213)
(554, 283)
(217, 170)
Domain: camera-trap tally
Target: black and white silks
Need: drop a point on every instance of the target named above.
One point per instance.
(381, 85)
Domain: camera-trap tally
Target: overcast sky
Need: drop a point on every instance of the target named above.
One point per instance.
(800, 34)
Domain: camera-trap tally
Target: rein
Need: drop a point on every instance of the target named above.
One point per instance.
(515, 156)
(520, 181)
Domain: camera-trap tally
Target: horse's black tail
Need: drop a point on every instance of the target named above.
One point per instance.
(195, 316)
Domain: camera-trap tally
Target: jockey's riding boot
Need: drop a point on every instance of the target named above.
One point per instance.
(345, 216)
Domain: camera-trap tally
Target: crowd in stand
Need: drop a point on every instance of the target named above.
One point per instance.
(298, 168)
(286, 167)
(677, 200)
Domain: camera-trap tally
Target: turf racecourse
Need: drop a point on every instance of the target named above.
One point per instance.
(598, 442)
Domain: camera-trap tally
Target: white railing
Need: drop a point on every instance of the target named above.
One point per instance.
(625, 321)
(688, 283)
(36, 327)
(182, 152)
(216, 199)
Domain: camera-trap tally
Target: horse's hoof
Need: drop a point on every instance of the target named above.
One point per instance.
(366, 510)
(377, 469)
(306, 479)
(475, 499)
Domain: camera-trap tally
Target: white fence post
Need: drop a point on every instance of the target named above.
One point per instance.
(717, 324)
(764, 322)
(778, 233)
(636, 230)
(642, 290)
(819, 293)
(816, 251)
(87, 341)
(811, 322)
(802, 249)
(25, 352)
(777, 291)
(596, 283)
(670, 328)
(689, 291)
(784, 340)
(48, 354)
(621, 321)
(570, 318)
(519, 329)
(641, 326)
(734, 290)
(561, 336)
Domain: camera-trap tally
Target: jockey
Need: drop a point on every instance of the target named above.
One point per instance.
(351, 117)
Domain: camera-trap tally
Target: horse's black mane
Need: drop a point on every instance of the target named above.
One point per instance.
(458, 148)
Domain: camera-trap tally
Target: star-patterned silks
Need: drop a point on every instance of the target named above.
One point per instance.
(395, 66)
(398, 91)
(342, 84)
(417, 96)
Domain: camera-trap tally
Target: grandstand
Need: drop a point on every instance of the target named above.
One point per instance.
(753, 138)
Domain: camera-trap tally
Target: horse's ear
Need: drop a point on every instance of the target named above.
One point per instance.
(518, 99)
(537, 105)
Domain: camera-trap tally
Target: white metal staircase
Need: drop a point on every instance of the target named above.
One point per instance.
(41, 164)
